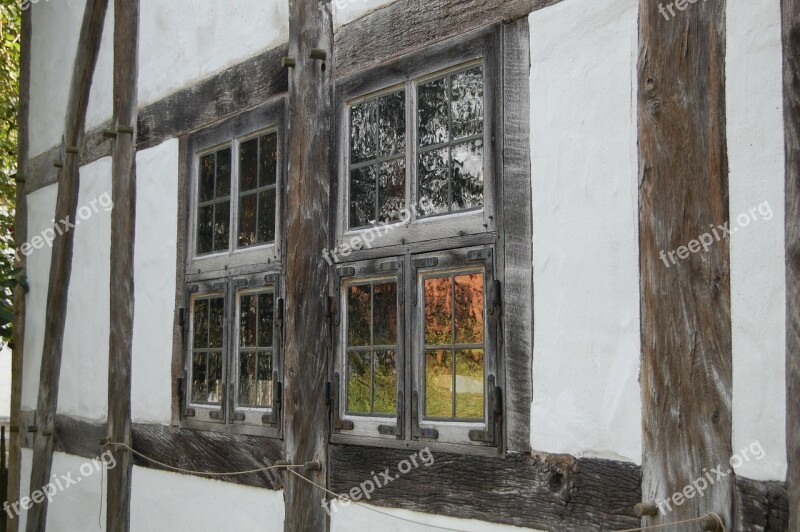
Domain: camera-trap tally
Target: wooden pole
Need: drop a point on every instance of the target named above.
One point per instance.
(61, 257)
(308, 340)
(685, 305)
(20, 236)
(791, 112)
(123, 226)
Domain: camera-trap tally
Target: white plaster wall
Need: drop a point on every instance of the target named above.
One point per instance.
(154, 271)
(586, 394)
(41, 208)
(169, 501)
(367, 518)
(758, 285)
(83, 385)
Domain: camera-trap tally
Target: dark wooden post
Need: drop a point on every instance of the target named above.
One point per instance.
(791, 112)
(686, 325)
(20, 236)
(307, 274)
(61, 257)
(123, 226)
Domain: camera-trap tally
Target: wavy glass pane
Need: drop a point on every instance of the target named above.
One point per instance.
(266, 216)
(268, 160)
(469, 383)
(222, 223)
(358, 382)
(247, 321)
(248, 165)
(223, 173)
(216, 323)
(438, 311)
(248, 206)
(264, 380)
(433, 113)
(206, 185)
(385, 314)
(247, 379)
(391, 190)
(467, 175)
(358, 315)
(432, 182)
(392, 124)
(385, 383)
(438, 383)
(363, 131)
(266, 312)
(469, 308)
(467, 103)
(362, 196)
(214, 377)
(200, 324)
(205, 229)
(199, 378)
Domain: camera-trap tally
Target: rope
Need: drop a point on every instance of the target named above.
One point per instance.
(340, 497)
(206, 473)
(716, 517)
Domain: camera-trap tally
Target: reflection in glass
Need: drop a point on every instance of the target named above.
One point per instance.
(469, 383)
(362, 196)
(467, 103)
(208, 165)
(438, 310)
(391, 190)
(200, 324)
(206, 367)
(467, 175)
(358, 315)
(469, 308)
(213, 208)
(248, 211)
(268, 160)
(358, 382)
(392, 124)
(385, 314)
(433, 113)
(258, 167)
(248, 165)
(363, 131)
(438, 383)
(216, 322)
(266, 216)
(385, 379)
(434, 195)
(256, 324)
(222, 221)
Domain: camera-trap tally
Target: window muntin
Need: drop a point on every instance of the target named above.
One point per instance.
(256, 322)
(377, 160)
(454, 346)
(371, 348)
(257, 195)
(214, 202)
(450, 134)
(208, 350)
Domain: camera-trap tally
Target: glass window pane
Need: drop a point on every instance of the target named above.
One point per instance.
(268, 160)
(266, 311)
(363, 131)
(467, 175)
(469, 383)
(205, 230)
(358, 315)
(467, 103)
(385, 385)
(385, 314)
(362, 196)
(433, 113)
(438, 383)
(223, 172)
(247, 321)
(222, 222)
(434, 197)
(214, 377)
(247, 220)
(247, 379)
(248, 165)
(358, 382)
(391, 190)
(438, 311)
(469, 309)
(216, 322)
(206, 185)
(392, 123)
(199, 381)
(266, 216)
(200, 324)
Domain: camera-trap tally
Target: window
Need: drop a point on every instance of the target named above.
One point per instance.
(232, 331)
(417, 353)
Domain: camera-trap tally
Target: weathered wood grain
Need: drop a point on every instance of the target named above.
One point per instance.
(547, 492)
(123, 237)
(20, 236)
(180, 278)
(761, 506)
(407, 25)
(791, 112)
(61, 257)
(685, 323)
(307, 330)
(517, 234)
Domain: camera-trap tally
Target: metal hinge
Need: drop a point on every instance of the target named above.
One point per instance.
(396, 429)
(495, 408)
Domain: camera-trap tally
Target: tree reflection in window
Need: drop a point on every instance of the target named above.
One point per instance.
(208, 322)
(214, 202)
(258, 173)
(256, 321)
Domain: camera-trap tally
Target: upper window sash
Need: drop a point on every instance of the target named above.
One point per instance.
(392, 162)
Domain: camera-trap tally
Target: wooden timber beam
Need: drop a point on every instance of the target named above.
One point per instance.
(686, 324)
(307, 332)
(791, 112)
(20, 236)
(123, 231)
(61, 258)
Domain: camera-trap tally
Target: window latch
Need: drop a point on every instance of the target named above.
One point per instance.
(495, 415)
(338, 423)
(397, 429)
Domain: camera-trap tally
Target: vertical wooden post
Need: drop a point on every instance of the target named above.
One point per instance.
(61, 257)
(308, 340)
(20, 236)
(791, 112)
(123, 229)
(686, 324)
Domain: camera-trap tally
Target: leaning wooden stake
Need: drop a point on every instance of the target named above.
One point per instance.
(61, 258)
(686, 323)
(307, 276)
(20, 236)
(791, 112)
(123, 226)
